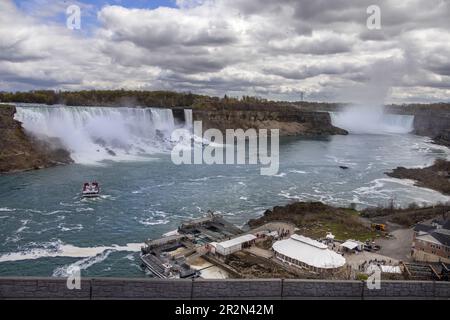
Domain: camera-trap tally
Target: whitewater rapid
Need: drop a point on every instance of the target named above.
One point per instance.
(95, 134)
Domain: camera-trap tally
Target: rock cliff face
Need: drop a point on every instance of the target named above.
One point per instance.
(20, 152)
(435, 124)
(290, 122)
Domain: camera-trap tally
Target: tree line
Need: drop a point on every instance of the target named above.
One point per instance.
(130, 98)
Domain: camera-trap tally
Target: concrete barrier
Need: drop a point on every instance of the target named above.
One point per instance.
(130, 288)
(104, 288)
(237, 288)
(42, 288)
(293, 289)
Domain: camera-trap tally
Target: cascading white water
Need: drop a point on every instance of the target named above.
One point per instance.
(371, 120)
(189, 123)
(93, 134)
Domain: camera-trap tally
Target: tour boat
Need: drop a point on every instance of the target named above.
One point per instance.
(90, 190)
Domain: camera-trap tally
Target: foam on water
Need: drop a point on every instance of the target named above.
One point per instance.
(23, 227)
(387, 188)
(83, 264)
(153, 222)
(280, 175)
(298, 171)
(66, 227)
(59, 249)
(157, 217)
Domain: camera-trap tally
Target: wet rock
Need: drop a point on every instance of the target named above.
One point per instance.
(20, 151)
(434, 177)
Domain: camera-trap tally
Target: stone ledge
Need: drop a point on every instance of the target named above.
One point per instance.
(131, 288)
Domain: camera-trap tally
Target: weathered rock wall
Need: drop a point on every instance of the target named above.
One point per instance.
(290, 122)
(432, 123)
(19, 152)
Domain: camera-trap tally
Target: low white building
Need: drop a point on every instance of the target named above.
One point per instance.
(352, 245)
(233, 245)
(305, 252)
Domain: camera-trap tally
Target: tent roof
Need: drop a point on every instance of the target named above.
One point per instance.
(350, 244)
(309, 251)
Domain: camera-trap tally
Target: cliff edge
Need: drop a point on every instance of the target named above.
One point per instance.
(435, 124)
(20, 152)
(291, 121)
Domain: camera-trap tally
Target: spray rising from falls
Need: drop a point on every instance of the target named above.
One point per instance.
(360, 119)
(93, 134)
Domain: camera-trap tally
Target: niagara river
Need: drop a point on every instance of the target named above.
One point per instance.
(144, 195)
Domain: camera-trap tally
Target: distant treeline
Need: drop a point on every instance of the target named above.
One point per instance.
(169, 99)
(165, 99)
(258, 104)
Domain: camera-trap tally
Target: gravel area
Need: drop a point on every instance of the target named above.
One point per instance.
(399, 246)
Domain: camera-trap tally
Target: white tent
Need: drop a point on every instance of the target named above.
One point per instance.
(352, 245)
(300, 250)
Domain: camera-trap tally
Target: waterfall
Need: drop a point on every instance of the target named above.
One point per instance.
(189, 123)
(93, 134)
(371, 120)
(162, 119)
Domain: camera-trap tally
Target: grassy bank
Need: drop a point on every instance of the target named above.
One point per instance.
(315, 219)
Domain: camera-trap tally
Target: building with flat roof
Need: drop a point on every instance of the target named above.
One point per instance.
(231, 246)
(307, 253)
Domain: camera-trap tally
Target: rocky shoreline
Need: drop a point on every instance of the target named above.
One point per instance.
(436, 177)
(21, 152)
(443, 138)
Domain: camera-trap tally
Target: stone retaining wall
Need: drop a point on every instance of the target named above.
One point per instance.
(114, 288)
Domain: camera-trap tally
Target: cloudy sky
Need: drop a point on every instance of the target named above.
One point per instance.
(273, 49)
